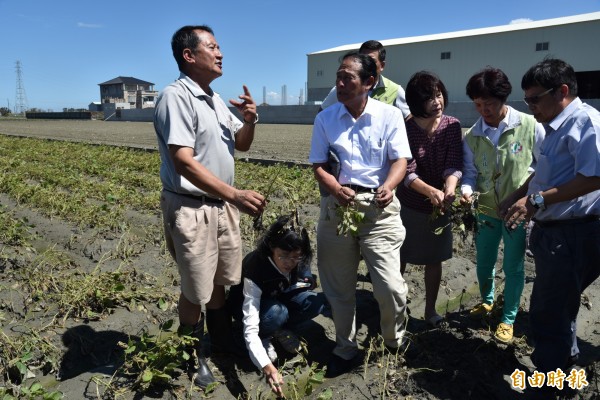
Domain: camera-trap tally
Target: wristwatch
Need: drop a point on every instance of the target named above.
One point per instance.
(252, 123)
(537, 200)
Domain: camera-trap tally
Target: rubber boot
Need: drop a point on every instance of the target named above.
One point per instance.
(200, 368)
(220, 330)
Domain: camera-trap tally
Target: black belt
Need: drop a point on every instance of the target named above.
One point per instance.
(360, 189)
(570, 221)
(203, 198)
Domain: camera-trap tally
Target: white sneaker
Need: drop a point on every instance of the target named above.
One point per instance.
(266, 342)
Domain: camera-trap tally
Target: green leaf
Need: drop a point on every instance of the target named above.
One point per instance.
(119, 287)
(147, 376)
(167, 325)
(130, 349)
(162, 304)
(327, 394)
(53, 396)
(35, 387)
(211, 387)
(21, 367)
(163, 376)
(26, 357)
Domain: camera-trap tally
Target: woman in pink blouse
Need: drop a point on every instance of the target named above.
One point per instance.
(430, 183)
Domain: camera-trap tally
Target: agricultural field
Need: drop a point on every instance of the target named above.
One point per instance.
(88, 292)
(271, 142)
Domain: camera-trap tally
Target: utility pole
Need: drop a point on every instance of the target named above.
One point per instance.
(21, 97)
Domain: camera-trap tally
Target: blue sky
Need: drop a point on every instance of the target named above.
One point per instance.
(67, 48)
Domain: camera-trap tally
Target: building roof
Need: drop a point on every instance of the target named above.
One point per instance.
(127, 80)
(474, 32)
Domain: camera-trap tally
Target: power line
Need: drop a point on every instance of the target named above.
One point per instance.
(21, 97)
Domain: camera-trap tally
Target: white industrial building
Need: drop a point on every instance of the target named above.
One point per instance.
(456, 56)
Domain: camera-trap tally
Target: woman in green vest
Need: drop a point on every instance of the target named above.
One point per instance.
(499, 154)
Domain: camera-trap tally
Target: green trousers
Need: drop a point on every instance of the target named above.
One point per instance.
(487, 243)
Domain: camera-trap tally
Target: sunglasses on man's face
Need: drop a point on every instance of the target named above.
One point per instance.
(536, 98)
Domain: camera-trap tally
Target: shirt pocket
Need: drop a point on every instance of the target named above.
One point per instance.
(554, 168)
(376, 148)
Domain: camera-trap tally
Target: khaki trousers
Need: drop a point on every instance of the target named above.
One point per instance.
(379, 238)
(204, 239)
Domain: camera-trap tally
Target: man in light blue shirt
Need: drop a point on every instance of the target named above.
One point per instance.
(563, 197)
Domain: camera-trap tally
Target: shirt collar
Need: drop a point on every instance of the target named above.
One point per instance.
(194, 88)
(380, 82)
(564, 114)
(344, 111)
(501, 125)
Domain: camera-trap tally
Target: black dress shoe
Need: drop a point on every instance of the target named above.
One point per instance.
(571, 362)
(338, 366)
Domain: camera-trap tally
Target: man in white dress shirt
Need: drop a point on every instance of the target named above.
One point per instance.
(369, 138)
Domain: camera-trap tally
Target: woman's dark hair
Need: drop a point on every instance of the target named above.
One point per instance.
(551, 73)
(421, 87)
(286, 234)
(186, 38)
(490, 82)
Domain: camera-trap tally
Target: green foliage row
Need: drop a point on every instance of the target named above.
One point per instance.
(13, 231)
(93, 185)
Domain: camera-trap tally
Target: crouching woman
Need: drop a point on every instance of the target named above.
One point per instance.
(275, 294)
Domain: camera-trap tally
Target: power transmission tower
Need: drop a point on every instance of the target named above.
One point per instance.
(21, 97)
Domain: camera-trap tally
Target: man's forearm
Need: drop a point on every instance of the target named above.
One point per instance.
(578, 186)
(396, 174)
(244, 137)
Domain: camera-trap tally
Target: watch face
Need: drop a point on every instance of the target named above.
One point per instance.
(539, 200)
(536, 200)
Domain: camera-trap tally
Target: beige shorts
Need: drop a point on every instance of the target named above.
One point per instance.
(204, 239)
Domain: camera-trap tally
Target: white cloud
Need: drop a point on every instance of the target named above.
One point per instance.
(91, 26)
(273, 98)
(520, 21)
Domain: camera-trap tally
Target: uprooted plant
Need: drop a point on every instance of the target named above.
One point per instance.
(150, 361)
(463, 217)
(20, 357)
(54, 285)
(350, 218)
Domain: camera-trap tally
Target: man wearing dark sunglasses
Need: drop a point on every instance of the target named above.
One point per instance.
(563, 197)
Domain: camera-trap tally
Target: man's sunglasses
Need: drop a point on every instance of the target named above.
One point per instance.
(536, 99)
